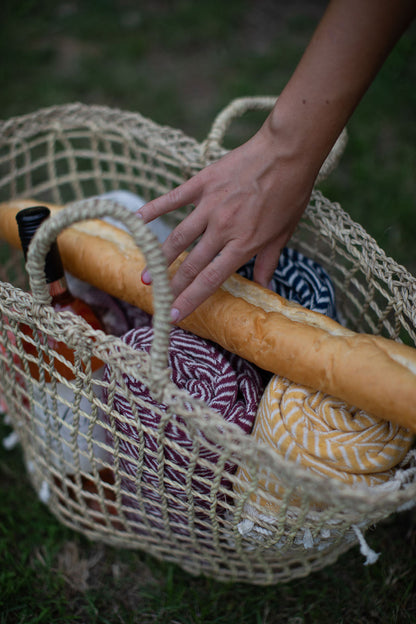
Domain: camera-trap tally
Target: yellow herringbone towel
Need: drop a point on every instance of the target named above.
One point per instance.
(325, 436)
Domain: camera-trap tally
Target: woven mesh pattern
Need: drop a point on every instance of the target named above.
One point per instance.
(63, 155)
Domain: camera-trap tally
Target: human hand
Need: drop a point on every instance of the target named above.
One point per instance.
(248, 203)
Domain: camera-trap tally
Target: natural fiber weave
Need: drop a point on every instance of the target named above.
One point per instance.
(68, 153)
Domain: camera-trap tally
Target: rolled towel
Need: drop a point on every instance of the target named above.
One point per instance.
(324, 435)
(224, 381)
(298, 278)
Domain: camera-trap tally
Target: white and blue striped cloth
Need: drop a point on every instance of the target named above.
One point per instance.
(300, 279)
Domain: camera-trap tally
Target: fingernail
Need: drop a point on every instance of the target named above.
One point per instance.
(146, 277)
(174, 315)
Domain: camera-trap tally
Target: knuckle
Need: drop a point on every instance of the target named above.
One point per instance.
(189, 271)
(224, 222)
(212, 277)
(177, 239)
(245, 244)
(175, 195)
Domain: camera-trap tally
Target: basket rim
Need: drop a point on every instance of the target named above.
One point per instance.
(130, 122)
(242, 446)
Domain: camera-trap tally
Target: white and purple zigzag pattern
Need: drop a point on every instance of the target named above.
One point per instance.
(224, 381)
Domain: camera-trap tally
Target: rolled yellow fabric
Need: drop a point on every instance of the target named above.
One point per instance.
(324, 435)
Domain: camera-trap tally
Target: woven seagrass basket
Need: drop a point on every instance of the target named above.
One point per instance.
(67, 154)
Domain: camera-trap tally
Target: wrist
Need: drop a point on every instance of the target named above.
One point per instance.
(294, 142)
(303, 132)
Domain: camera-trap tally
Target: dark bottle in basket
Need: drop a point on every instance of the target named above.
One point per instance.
(61, 412)
(28, 220)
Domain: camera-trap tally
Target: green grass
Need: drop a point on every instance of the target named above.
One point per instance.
(48, 574)
(180, 63)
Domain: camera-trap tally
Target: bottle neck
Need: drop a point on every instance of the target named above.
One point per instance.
(61, 296)
(58, 287)
(28, 221)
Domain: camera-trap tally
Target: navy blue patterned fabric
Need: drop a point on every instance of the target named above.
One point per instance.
(298, 278)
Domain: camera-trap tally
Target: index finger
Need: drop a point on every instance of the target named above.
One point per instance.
(178, 197)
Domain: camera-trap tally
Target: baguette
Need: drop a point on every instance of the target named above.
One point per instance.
(369, 372)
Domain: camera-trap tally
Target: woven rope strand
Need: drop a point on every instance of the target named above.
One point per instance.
(69, 152)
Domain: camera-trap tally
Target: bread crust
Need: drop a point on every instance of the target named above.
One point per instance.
(370, 372)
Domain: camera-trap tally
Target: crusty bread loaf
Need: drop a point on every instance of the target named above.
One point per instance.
(370, 372)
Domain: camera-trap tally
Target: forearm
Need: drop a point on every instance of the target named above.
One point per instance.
(250, 201)
(347, 50)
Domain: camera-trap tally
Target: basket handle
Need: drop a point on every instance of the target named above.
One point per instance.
(236, 108)
(144, 238)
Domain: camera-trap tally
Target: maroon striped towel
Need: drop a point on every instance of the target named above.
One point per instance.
(225, 382)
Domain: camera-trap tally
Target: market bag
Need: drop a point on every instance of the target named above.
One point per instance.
(205, 521)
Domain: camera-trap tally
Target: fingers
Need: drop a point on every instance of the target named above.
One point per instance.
(176, 198)
(265, 265)
(209, 263)
(186, 232)
(206, 283)
(238, 213)
(183, 235)
(180, 239)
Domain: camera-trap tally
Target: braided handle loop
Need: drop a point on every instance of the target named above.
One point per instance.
(236, 108)
(143, 237)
